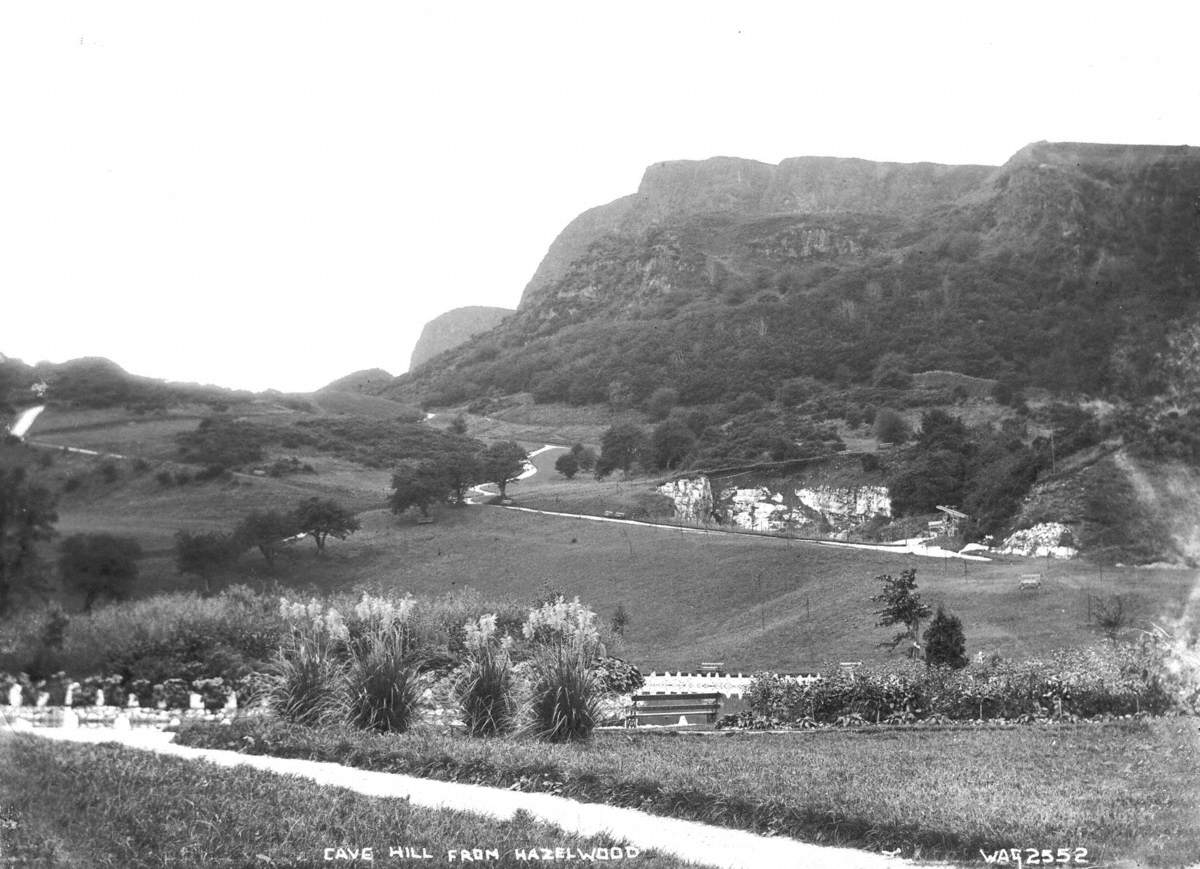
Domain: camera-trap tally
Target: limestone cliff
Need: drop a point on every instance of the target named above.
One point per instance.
(678, 189)
(454, 328)
(816, 509)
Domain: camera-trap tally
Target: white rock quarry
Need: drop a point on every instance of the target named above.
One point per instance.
(759, 509)
(1046, 540)
(843, 503)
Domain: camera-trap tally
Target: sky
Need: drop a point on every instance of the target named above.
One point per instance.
(273, 195)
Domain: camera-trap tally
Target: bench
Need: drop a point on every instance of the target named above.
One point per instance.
(666, 709)
(1031, 581)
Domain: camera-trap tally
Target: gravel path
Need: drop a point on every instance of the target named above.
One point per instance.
(700, 843)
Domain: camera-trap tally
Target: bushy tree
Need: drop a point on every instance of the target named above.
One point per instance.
(324, 517)
(27, 516)
(567, 464)
(417, 484)
(99, 565)
(890, 427)
(585, 456)
(945, 643)
(501, 463)
(621, 448)
(661, 401)
(266, 530)
(205, 554)
(671, 442)
(891, 370)
(901, 606)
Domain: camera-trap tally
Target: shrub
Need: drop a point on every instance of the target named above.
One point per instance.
(109, 472)
(164, 477)
(945, 643)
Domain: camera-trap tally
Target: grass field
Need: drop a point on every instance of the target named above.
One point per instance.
(751, 602)
(1128, 792)
(64, 805)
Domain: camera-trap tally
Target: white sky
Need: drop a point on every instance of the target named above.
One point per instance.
(265, 194)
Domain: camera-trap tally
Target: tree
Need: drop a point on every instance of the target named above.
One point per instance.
(323, 517)
(205, 554)
(621, 447)
(671, 442)
(417, 484)
(891, 370)
(458, 425)
(586, 456)
(945, 643)
(660, 402)
(901, 606)
(567, 465)
(99, 565)
(266, 530)
(501, 463)
(27, 516)
(890, 427)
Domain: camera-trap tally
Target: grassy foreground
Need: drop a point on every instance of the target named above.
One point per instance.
(1125, 791)
(66, 805)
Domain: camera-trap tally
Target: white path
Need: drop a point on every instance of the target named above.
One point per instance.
(25, 421)
(529, 471)
(710, 846)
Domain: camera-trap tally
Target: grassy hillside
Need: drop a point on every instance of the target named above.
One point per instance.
(750, 602)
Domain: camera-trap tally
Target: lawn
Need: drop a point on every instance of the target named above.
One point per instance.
(65, 805)
(1125, 791)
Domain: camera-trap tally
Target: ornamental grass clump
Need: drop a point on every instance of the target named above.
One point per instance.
(484, 688)
(306, 683)
(565, 691)
(385, 681)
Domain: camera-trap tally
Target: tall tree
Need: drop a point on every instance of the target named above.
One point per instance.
(27, 516)
(902, 606)
(205, 554)
(266, 530)
(501, 463)
(324, 517)
(417, 484)
(621, 447)
(99, 565)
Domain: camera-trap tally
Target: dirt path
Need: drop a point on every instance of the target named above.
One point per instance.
(700, 843)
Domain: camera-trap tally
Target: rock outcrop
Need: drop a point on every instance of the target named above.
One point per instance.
(453, 329)
(835, 510)
(1046, 540)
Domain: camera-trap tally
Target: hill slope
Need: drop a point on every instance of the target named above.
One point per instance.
(1064, 269)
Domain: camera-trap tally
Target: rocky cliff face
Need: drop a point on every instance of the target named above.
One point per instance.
(820, 509)
(676, 190)
(454, 328)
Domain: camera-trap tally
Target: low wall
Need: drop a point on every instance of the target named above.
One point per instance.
(728, 684)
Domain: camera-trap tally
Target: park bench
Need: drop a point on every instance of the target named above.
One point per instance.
(665, 709)
(1031, 581)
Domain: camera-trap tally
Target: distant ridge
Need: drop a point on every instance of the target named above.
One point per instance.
(454, 328)
(369, 381)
